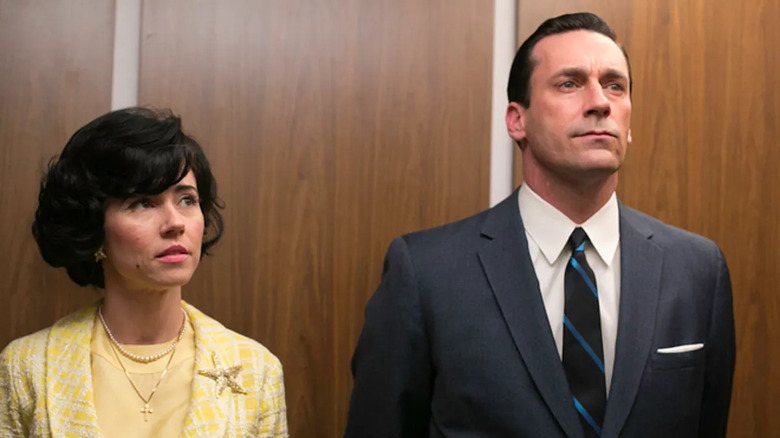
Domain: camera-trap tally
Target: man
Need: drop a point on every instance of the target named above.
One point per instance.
(559, 312)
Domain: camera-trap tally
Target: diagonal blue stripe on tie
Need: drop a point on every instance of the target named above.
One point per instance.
(582, 334)
(585, 277)
(585, 345)
(586, 416)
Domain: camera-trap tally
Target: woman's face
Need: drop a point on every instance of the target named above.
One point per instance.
(153, 242)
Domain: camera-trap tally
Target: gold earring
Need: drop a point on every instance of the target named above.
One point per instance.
(100, 254)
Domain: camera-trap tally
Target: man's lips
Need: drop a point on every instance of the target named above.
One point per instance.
(597, 134)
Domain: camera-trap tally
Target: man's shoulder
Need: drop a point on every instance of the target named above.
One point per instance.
(464, 232)
(663, 234)
(470, 230)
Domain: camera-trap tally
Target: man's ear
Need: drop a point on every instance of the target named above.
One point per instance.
(629, 136)
(515, 121)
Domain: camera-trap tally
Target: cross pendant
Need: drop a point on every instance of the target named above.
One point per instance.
(146, 411)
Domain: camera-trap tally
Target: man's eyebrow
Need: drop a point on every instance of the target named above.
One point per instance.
(609, 73)
(571, 72)
(612, 73)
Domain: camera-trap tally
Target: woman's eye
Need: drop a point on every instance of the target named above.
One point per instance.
(190, 200)
(140, 204)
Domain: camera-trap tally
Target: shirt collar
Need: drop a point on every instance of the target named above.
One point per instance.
(550, 229)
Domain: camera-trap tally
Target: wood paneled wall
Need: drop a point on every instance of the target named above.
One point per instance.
(706, 119)
(55, 75)
(331, 127)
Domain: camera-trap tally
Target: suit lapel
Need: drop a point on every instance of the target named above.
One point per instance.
(69, 397)
(640, 282)
(210, 415)
(511, 275)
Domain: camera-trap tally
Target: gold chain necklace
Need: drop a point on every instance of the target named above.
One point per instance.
(138, 358)
(146, 410)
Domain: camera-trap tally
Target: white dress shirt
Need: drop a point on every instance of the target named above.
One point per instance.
(548, 231)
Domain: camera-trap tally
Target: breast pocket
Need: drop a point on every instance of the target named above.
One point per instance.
(678, 360)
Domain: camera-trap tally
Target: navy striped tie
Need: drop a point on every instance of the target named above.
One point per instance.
(583, 356)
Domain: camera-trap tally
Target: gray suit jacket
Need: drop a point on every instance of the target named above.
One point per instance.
(456, 341)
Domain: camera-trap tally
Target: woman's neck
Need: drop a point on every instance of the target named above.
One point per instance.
(142, 316)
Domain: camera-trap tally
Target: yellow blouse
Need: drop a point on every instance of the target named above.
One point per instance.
(118, 406)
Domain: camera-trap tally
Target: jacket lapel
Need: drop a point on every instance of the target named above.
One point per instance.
(210, 414)
(640, 267)
(511, 275)
(69, 397)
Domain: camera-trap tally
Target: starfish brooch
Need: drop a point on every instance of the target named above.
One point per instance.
(224, 377)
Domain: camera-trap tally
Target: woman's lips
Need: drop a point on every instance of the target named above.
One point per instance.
(173, 254)
(173, 258)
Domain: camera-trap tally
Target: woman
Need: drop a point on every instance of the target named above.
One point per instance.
(129, 207)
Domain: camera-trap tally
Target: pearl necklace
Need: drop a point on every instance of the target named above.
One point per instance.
(135, 357)
(146, 410)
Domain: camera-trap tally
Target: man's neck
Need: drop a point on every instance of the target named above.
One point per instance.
(577, 200)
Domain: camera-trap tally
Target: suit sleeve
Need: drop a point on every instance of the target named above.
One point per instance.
(392, 367)
(721, 351)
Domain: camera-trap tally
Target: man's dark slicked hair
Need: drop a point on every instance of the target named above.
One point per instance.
(519, 86)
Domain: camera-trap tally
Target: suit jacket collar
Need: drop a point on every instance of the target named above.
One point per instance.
(69, 394)
(640, 286)
(512, 277)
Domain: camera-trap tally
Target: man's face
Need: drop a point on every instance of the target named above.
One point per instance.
(577, 126)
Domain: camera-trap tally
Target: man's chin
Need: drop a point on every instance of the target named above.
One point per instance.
(593, 173)
(602, 163)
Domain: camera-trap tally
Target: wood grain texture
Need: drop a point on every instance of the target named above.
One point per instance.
(706, 119)
(331, 127)
(55, 65)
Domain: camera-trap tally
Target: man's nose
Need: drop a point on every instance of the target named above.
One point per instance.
(597, 104)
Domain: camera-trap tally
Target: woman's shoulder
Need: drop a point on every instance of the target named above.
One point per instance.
(253, 348)
(31, 348)
(26, 348)
(254, 352)
(22, 369)
(248, 350)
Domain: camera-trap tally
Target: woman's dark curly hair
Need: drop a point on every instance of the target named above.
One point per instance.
(118, 155)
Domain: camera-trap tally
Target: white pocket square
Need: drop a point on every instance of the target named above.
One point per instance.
(681, 348)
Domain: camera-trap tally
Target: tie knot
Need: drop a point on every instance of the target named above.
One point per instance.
(577, 239)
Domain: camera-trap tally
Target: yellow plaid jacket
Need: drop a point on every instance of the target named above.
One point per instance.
(46, 383)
